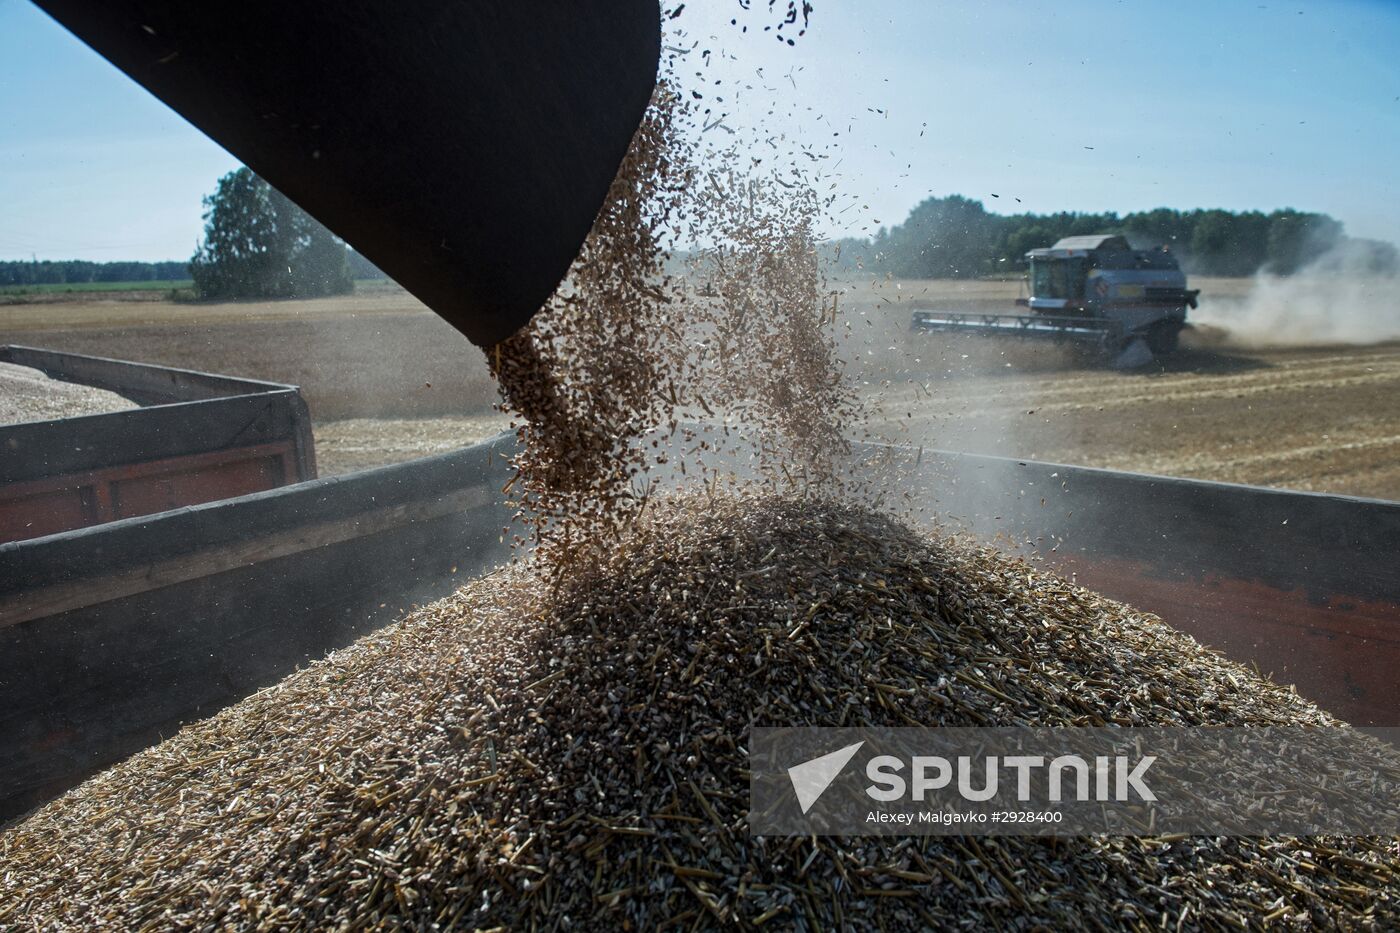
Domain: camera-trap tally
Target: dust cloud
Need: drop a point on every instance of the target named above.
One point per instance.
(1343, 297)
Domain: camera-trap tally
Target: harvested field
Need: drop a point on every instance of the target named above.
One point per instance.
(574, 759)
(1323, 419)
(29, 395)
(379, 355)
(1316, 418)
(360, 443)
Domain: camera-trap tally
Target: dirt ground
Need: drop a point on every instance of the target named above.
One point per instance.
(387, 380)
(372, 355)
(352, 444)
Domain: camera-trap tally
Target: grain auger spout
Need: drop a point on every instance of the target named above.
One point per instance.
(462, 147)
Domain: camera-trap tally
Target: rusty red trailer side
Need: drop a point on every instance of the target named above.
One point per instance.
(1303, 586)
(198, 437)
(113, 636)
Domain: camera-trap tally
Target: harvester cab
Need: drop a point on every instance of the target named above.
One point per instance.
(1103, 276)
(1096, 289)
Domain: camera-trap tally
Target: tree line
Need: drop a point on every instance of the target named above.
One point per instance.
(82, 272)
(957, 237)
(258, 244)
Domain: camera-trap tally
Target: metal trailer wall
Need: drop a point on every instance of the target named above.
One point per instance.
(111, 637)
(1304, 586)
(143, 383)
(200, 437)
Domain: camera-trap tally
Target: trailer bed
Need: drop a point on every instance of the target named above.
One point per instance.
(195, 437)
(111, 637)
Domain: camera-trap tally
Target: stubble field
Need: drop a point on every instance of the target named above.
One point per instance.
(387, 381)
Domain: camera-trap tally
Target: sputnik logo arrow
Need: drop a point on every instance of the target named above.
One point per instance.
(811, 778)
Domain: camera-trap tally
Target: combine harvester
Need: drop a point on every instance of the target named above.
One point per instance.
(1092, 289)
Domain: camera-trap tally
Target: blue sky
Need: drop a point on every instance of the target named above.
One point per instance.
(1185, 104)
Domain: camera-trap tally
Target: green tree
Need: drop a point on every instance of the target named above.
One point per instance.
(1212, 238)
(944, 238)
(258, 244)
(1022, 236)
(1160, 226)
(955, 237)
(1297, 238)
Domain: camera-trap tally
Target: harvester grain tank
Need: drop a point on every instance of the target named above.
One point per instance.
(1094, 289)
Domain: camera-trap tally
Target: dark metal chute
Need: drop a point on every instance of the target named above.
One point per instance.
(463, 146)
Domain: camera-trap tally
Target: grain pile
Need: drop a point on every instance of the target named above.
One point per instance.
(521, 755)
(28, 395)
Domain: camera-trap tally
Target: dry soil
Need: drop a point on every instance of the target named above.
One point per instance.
(387, 380)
